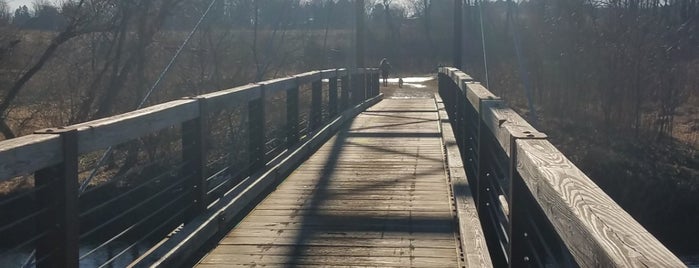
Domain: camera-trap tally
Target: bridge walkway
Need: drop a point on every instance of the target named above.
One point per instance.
(376, 194)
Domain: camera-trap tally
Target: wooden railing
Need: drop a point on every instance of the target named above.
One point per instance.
(192, 162)
(536, 207)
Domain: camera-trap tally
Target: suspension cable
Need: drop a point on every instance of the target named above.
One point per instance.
(155, 85)
(166, 70)
(485, 57)
(520, 62)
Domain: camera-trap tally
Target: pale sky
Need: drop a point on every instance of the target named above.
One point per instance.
(14, 4)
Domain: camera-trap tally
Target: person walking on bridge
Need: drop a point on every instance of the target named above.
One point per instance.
(385, 68)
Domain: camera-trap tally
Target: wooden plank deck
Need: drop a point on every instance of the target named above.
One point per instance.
(376, 194)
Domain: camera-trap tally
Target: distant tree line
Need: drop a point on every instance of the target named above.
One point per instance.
(627, 64)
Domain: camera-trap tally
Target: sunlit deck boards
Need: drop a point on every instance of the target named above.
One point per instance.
(376, 194)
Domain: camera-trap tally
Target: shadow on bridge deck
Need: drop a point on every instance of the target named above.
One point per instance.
(376, 194)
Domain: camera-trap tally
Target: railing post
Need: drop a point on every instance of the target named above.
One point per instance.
(441, 84)
(292, 115)
(194, 156)
(368, 85)
(459, 120)
(316, 105)
(332, 96)
(256, 131)
(365, 85)
(518, 198)
(377, 83)
(483, 186)
(518, 232)
(356, 84)
(59, 197)
(344, 92)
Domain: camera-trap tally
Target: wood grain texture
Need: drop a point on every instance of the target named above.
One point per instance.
(376, 199)
(459, 78)
(178, 248)
(24, 155)
(473, 242)
(230, 97)
(506, 125)
(477, 93)
(597, 231)
(102, 133)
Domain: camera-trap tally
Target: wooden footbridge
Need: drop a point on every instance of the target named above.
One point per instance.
(315, 169)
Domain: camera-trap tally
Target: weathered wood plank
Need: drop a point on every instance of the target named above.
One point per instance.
(357, 191)
(367, 213)
(231, 97)
(279, 84)
(357, 249)
(102, 133)
(505, 125)
(24, 155)
(263, 236)
(329, 73)
(386, 207)
(308, 77)
(477, 93)
(289, 238)
(473, 243)
(596, 230)
(182, 245)
(380, 261)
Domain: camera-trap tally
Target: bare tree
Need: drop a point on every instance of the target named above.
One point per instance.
(4, 13)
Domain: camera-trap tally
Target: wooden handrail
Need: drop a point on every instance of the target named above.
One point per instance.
(52, 155)
(592, 228)
(24, 155)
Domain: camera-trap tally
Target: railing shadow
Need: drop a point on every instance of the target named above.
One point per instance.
(315, 221)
